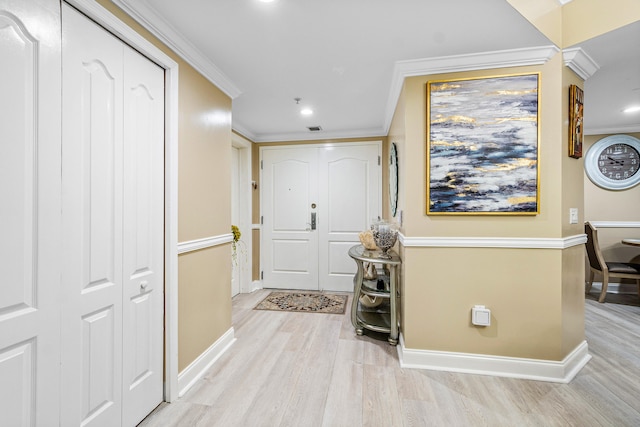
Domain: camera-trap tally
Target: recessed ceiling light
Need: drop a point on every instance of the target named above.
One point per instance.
(306, 111)
(632, 109)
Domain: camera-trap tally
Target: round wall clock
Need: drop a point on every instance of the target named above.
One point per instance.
(612, 162)
(393, 178)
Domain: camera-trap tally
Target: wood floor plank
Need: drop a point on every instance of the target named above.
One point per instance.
(344, 397)
(310, 369)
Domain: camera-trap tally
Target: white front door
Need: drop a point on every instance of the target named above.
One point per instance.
(112, 183)
(350, 198)
(339, 185)
(289, 249)
(30, 212)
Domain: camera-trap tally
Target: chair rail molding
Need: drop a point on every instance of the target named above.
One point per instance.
(494, 242)
(616, 224)
(206, 242)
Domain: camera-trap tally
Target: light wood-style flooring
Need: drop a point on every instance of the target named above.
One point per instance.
(310, 369)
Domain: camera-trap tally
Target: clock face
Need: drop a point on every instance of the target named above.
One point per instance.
(613, 162)
(618, 161)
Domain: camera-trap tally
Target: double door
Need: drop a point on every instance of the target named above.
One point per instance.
(315, 200)
(112, 223)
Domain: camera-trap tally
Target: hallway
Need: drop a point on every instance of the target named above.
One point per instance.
(308, 369)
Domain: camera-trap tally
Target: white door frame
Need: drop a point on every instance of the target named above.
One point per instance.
(109, 21)
(374, 141)
(245, 201)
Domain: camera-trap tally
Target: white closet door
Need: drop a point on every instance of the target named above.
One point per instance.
(143, 236)
(29, 212)
(92, 224)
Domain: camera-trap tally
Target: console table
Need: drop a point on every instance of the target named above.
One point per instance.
(384, 318)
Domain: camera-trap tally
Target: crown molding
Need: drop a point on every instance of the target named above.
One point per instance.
(494, 242)
(149, 19)
(321, 135)
(580, 62)
(456, 63)
(611, 129)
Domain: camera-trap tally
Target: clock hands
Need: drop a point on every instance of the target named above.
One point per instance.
(621, 163)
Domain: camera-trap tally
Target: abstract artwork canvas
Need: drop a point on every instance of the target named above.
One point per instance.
(482, 146)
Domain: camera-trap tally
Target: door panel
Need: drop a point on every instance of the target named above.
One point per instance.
(289, 244)
(30, 211)
(350, 197)
(340, 184)
(143, 236)
(92, 224)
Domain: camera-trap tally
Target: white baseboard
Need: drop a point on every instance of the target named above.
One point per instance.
(255, 285)
(512, 367)
(196, 370)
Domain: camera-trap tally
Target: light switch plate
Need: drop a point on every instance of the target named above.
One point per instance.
(573, 215)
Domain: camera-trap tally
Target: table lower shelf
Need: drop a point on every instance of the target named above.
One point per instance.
(377, 319)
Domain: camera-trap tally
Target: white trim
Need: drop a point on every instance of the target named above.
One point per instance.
(256, 226)
(494, 242)
(206, 242)
(608, 130)
(456, 63)
(198, 368)
(135, 40)
(149, 19)
(580, 62)
(245, 199)
(511, 367)
(255, 285)
(615, 224)
(321, 135)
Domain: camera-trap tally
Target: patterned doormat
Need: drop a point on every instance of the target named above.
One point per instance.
(306, 302)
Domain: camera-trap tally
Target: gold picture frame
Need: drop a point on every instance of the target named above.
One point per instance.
(576, 118)
(482, 146)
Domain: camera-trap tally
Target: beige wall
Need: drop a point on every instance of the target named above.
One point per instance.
(204, 186)
(578, 20)
(586, 19)
(536, 295)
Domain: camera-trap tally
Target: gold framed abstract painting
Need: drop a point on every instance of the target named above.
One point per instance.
(482, 146)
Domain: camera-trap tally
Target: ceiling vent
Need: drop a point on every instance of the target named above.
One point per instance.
(314, 128)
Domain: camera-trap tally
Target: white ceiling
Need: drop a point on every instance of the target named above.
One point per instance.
(338, 56)
(616, 84)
